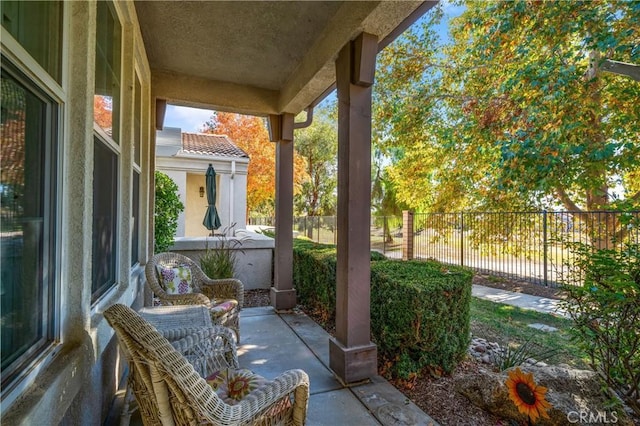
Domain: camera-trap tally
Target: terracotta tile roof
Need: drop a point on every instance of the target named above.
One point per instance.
(206, 144)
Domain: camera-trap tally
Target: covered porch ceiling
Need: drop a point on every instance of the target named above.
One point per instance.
(259, 57)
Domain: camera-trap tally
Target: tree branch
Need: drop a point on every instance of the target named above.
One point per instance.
(567, 201)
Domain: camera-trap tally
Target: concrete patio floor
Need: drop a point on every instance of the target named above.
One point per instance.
(273, 343)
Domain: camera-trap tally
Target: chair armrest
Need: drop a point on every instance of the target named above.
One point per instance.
(230, 288)
(183, 299)
(261, 398)
(208, 349)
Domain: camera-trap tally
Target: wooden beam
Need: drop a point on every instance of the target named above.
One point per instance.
(365, 48)
(161, 108)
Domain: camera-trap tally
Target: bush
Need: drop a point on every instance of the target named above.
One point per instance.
(167, 208)
(420, 314)
(606, 310)
(419, 310)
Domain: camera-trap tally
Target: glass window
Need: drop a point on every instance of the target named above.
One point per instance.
(28, 166)
(106, 157)
(37, 26)
(106, 102)
(137, 128)
(105, 213)
(135, 216)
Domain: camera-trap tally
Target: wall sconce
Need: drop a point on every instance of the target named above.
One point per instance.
(202, 192)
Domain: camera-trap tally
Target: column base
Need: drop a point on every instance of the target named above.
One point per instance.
(283, 300)
(353, 364)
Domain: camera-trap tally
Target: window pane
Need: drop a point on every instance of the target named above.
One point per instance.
(105, 212)
(37, 26)
(106, 102)
(27, 213)
(135, 213)
(137, 113)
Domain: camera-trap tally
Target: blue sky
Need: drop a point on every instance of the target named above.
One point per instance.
(192, 119)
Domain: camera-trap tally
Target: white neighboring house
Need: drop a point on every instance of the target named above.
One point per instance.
(184, 157)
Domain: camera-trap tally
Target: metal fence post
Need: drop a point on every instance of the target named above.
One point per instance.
(544, 246)
(461, 238)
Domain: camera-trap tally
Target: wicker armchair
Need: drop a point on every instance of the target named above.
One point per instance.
(169, 391)
(224, 297)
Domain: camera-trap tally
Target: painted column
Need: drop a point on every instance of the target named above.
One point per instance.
(283, 295)
(352, 355)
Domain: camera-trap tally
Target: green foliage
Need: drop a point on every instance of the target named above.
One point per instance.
(606, 310)
(516, 112)
(420, 314)
(167, 208)
(318, 145)
(419, 310)
(219, 262)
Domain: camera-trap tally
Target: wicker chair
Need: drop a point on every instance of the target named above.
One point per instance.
(169, 391)
(223, 297)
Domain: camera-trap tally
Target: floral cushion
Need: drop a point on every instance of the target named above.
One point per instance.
(232, 385)
(222, 307)
(176, 280)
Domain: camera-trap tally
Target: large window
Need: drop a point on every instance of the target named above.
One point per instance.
(135, 217)
(37, 26)
(28, 168)
(135, 190)
(106, 151)
(106, 102)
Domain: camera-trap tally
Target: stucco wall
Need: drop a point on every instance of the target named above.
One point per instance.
(73, 380)
(188, 172)
(196, 206)
(254, 258)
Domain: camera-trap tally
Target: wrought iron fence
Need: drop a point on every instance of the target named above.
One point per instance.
(528, 246)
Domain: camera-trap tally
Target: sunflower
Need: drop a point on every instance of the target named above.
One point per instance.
(528, 397)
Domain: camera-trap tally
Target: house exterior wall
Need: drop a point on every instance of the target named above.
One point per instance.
(73, 381)
(188, 172)
(196, 206)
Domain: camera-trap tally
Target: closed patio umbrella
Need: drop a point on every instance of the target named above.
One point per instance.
(211, 219)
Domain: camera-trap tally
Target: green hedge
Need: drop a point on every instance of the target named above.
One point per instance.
(419, 309)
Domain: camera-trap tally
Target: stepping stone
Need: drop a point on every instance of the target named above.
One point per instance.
(543, 327)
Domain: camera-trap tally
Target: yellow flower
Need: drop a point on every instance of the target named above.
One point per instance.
(528, 398)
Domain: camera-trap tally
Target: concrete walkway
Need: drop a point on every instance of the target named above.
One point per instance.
(272, 343)
(521, 300)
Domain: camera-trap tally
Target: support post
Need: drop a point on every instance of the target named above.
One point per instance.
(407, 235)
(352, 355)
(283, 295)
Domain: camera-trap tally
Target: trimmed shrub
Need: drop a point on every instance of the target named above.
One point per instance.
(419, 310)
(420, 314)
(314, 277)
